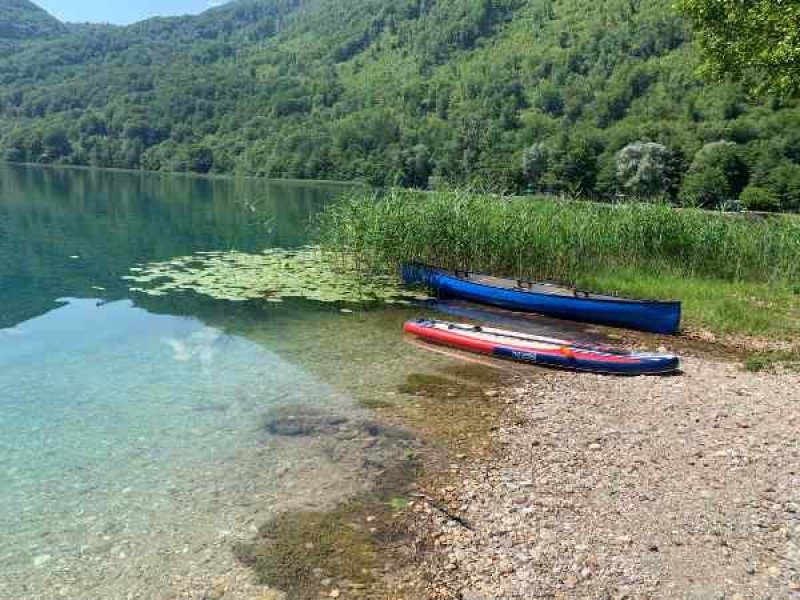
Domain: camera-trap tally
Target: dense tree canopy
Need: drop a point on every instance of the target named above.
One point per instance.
(499, 94)
(20, 19)
(755, 41)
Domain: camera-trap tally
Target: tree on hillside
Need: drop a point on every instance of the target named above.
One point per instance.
(535, 160)
(785, 181)
(754, 41)
(716, 177)
(643, 169)
(505, 95)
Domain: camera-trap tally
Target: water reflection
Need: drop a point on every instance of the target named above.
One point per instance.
(72, 232)
(132, 448)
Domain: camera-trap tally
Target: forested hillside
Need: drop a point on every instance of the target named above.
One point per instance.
(21, 19)
(570, 96)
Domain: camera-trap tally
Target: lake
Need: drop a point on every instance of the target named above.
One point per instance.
(133, 446)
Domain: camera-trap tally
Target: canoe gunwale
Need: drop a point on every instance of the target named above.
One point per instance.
(592, 296)
(654, 316)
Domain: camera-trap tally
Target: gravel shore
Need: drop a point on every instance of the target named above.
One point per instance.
(601, 487)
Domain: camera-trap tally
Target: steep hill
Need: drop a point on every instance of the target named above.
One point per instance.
(391, 91)
(21, 19)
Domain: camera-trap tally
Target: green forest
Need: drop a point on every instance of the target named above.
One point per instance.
(572, 97)
(20, 20)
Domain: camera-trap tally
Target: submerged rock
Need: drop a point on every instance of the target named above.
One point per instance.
(310, 422)
(304, 425)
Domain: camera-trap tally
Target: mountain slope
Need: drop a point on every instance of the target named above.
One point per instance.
(21, 19)
(388, 91)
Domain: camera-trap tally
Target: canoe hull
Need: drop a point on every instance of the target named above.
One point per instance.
(654, 317)
(562, 355)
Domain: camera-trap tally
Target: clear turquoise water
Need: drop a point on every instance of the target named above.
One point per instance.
(131, 449)
(106, 405)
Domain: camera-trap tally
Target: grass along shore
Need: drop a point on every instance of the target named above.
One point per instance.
(735, 274)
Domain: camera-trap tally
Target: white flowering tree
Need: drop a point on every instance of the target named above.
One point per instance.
(643, 169)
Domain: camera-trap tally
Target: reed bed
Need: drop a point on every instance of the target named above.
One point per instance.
(560, 240)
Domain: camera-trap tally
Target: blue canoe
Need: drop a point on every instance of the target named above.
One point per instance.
(548, 299)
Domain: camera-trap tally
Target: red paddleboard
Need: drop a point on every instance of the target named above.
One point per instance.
(539, 350)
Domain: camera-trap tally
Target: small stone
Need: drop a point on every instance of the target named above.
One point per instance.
(595, 446)
(794, 585)
(41, 560)
(335, 593)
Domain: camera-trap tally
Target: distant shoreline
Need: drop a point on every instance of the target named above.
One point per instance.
(213, 176)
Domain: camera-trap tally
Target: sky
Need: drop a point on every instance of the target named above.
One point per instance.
(121, 13)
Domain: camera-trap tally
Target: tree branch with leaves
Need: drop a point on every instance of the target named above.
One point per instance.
(753, 41)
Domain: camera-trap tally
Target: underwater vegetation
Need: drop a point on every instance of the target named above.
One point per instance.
(311, 553)
(272, 275)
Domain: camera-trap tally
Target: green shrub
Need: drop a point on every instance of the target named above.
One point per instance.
(707, 187)
(759, 199)
(717, 176)
(785, 182)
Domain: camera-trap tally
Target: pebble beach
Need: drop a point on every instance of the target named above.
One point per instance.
(599, 487)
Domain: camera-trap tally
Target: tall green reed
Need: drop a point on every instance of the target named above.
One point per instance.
(551, 239)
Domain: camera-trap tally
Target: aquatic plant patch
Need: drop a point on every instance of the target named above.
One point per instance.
(315, 553)
(272, 275)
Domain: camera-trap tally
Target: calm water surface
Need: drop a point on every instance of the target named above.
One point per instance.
(131, 448)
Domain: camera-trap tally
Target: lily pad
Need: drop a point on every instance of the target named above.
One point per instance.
(273, 275)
